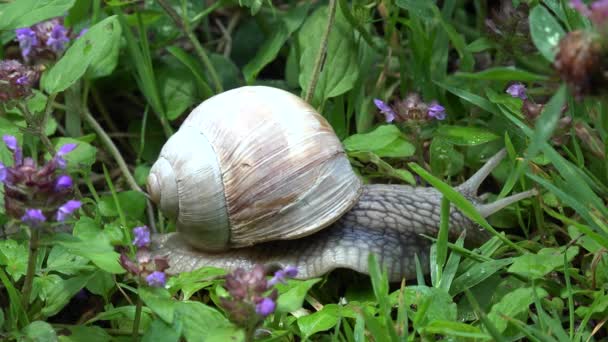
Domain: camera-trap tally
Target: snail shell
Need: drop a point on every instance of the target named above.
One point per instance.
(249, 165)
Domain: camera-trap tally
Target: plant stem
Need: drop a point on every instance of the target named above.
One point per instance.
(122, 165)
(322, 51)
(31, 267)
(137, 319)
(184, 25)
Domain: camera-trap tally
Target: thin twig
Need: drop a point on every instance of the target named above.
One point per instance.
(32, 258)
(122, 165)
(137, 319)
(184, 25)
(322, 51)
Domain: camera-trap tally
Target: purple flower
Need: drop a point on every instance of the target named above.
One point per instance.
(599, 12)
(142, 236)
(517, 90)
(156, 279)
(67, 209)
(33, 217)
(436, 111)
(27, 40)
(82, 32)
(23, 80)
(3, 172)
(581, 7)
(385, 109)
(280, 275)
(11, 143)
(265, 307)
(64, 182)
(65, 149)
(58, 38)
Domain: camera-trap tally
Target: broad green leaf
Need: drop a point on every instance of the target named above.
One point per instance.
(24, 13)
(420, 9)
(93, 47)
(159, 301)
(513, 305)
(465, 136)
(132, 203)
(177, 90)
(341, 68)
(384, 168)
(321, 320)
(536, 266)
(438, 303)
(39, 331)
(282, 30)
(445, 160)
(546, 31)
(291, 295)
(14, 257)
(384, 141)
(60, 294)
(199, 320)
(161, 331)
(195, 68)
(508, 74)
(101, 283)
(61, 260)
(81, 333)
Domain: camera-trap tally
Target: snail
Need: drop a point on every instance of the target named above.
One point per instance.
(256, 175)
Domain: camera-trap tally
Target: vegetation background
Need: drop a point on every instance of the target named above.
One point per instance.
(420, 92)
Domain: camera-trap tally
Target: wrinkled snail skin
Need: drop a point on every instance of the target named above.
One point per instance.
(388, 220)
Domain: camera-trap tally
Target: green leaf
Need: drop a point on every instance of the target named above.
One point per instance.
(384, 141)
(101, 283)
(383, 167)
(508, 74)
(291, 295)
(60, 294)
(90, 242)
(535, 266)
(161, 331)
(14, 256)
(195, 68)
(439, 304)
(132, 203)
(24, 13)
(269, 50)
(546, 32)
(61, 260)
(513, 305)
(476, 274)
(39, 331)
(465, 136)
(91, 48)
(177, 90)
(445, 160)
(159, 301)
(321, 320)
(199, 320)
(81, 333)
(341, 67)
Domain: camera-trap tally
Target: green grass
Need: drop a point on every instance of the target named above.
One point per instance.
(127, 85)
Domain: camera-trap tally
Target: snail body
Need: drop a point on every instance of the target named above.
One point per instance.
(255, 175)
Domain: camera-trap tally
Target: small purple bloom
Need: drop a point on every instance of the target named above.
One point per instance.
(436, 111)
(65, 149)
(599, 12)
(11, 142)
(156, 279)
(517, 90)
(58, 38)
(64, 182)
(280, 275)
(3, 173)
(27, 40)
(33, 217)
(141, 236)
(67, 209)
(265, 307)
(23, 80)
(385, 109)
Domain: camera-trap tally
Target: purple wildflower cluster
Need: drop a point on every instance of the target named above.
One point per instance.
(411, 108)
(145, 266)
(36, 194)
(47, 39)
(252, 295)
(16, 80)
(517, 90)
(597, 11)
